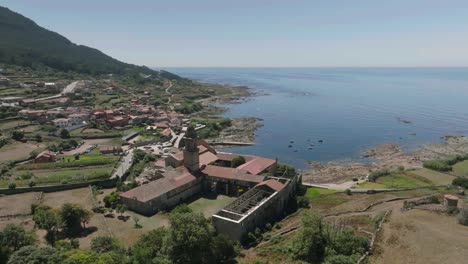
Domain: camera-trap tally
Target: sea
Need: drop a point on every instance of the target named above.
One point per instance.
(327, 114)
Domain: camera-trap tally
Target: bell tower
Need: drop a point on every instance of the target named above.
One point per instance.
(191, 156)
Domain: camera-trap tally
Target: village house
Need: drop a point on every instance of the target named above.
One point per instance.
(78, 118)
(62, 122)
(44, 157)
(4, 81)
(115, 150)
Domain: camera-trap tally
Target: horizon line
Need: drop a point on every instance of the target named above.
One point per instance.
(318, 67)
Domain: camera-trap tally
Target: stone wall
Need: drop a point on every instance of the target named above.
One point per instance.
(108, 183)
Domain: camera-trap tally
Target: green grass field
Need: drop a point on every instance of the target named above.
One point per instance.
(324, 196)
(71, 162)
(210, 206)
(12, 124)
(70, 175)
(461, 169)
(398, 180)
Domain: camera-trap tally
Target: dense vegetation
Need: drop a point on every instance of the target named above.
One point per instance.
(462, 182)
(25, 43)
(189, 239)
(318, 242)
(444, 165)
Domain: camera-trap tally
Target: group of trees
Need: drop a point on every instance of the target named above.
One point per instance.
(63, 145)
(71, 218)
(8, 111)
(213, 126)
(284, 170)
(189, 107)
(444, 165)
(189, 239)
(318, 242)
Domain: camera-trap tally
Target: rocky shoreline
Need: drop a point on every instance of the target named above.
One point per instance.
(242, 129)
(385, 156)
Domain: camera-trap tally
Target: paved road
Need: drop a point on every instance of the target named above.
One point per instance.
(70, 88)
(124, 166)
(170, 98)
(179, 138)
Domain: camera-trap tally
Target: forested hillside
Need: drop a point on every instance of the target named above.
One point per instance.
(24, 43)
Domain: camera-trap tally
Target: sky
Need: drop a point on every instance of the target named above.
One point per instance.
(261, 33)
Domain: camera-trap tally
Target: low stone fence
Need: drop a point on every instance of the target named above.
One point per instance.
(108, 183)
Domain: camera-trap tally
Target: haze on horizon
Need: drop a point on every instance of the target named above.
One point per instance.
(243, 33)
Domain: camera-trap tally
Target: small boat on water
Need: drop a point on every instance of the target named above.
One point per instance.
(310, 148)
(291, 141)
(320, 141)
(290, 146)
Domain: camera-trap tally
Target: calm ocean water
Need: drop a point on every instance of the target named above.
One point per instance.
(350, 109)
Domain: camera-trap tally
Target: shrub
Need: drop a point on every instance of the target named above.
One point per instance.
(373, 176)
(348, 191)
(31, 183)
(27, 175)
(451, 210)
(437, 165)
(12, 185)
(302, 201)
(237, 161)
(463, 217)
(462, 182)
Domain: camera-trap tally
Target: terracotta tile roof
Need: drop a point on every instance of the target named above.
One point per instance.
(46, 153)
(178, 156)
(171, 180)
(160, 163)
(166, 132)
(257, 165)
(231, 174)
(230, 156)
(272, 184)
(207, 158)
(451, 197)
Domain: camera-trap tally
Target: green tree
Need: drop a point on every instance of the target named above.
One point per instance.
(310, 243)
(49, 220)
(346, 242)
(15, 236)
(237, 161)
(121, 209)
(33, 255)
(17, 135)
(74, 216)
(102, 244)
(189, 238)
(223, 250)
(64, 133)
(150, 246)
(38, 138)
(83, 257)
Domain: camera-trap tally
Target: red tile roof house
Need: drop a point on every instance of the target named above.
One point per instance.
(44, 157)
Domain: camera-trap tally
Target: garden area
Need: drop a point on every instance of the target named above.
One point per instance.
(68, 169)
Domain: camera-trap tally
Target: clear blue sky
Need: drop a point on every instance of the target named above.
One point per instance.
(262, 33)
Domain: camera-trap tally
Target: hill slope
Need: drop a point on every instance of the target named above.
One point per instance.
(24, 43)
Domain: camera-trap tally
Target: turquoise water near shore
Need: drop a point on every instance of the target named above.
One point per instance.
(350, 109)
